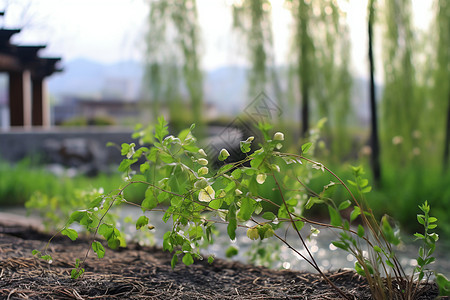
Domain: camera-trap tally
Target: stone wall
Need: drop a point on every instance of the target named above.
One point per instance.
(81, 148)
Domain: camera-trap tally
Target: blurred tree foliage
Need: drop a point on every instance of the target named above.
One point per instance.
(333, 82)
(173, 59)
(441, 78)
(319, 84)
(252, 18)
(320, 65)
(401, 106)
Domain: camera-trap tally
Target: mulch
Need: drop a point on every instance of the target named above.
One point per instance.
(139, 272)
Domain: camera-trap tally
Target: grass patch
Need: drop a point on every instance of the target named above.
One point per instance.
(20, 181)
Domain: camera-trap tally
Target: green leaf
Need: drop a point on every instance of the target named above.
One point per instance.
(341, 245)
(76, 273)
(167, 242)
(421, 219)
(366, 190)
(236, 174)
(141, 222)
(125, 148)
(161, 129)
(96, 202)
(305, 147)
(98, 248)
(166, 157)
(231, 251)
(388, 232)
(36, 253)
(77, 216)
(183, 134)
(419, 236)
(335, 217)
(258, 157)
(390, 264)
(187, 259)
(150, 201)
(352, 182)
(216, 203)
(355, 213)
(105, 230)
(46, 257)
(232, 222)
(362, 182)
(210, 259)
(247, 209)
(432, 219)
(360, 231)
(245, 146)
(125, 164)
(430, 260)
(113, 243)
(223, 154)
(266, 231)
(312, 201)
(344, 205)
(377, 249)
(268, 215)
(359, 269)
(443, 284)
(174, 261)
(70, 233)
(196, 232)
(144, 167)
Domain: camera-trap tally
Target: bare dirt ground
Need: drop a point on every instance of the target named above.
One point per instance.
(144, 273)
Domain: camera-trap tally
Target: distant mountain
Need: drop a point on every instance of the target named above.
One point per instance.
(83, 77)
(225, 87)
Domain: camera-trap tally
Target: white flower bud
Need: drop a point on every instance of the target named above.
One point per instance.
(202, 152)
(238, 192)
(279, 136)
(223, 154)
(207, 194)
(203, 171)
(260, 178)
(202, 161)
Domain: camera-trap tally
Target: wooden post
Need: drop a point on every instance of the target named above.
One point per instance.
(40, 103)
(20, 98)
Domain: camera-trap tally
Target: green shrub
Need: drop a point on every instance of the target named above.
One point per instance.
(177, 172)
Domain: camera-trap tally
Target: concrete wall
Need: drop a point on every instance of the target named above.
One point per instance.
(70, 147)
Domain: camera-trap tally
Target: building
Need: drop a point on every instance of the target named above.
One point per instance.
(27, 99)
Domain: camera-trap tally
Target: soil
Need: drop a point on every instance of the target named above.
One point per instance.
(144, 273)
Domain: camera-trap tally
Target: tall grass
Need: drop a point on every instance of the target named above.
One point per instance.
(18, 182)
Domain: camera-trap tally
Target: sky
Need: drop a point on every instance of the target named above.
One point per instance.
(109, 31)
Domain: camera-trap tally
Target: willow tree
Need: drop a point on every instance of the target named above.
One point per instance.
(303, 49)
(401, 108)
(252, 18)
(332, 86)
(442, 69)
(172, 57)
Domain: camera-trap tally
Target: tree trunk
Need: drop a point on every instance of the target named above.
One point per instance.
(447, 137)
(374, 141)
(305, 111)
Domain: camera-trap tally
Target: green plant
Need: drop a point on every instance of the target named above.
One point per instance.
(177, 172)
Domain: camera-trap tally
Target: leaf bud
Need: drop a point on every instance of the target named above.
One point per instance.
(279, 136)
